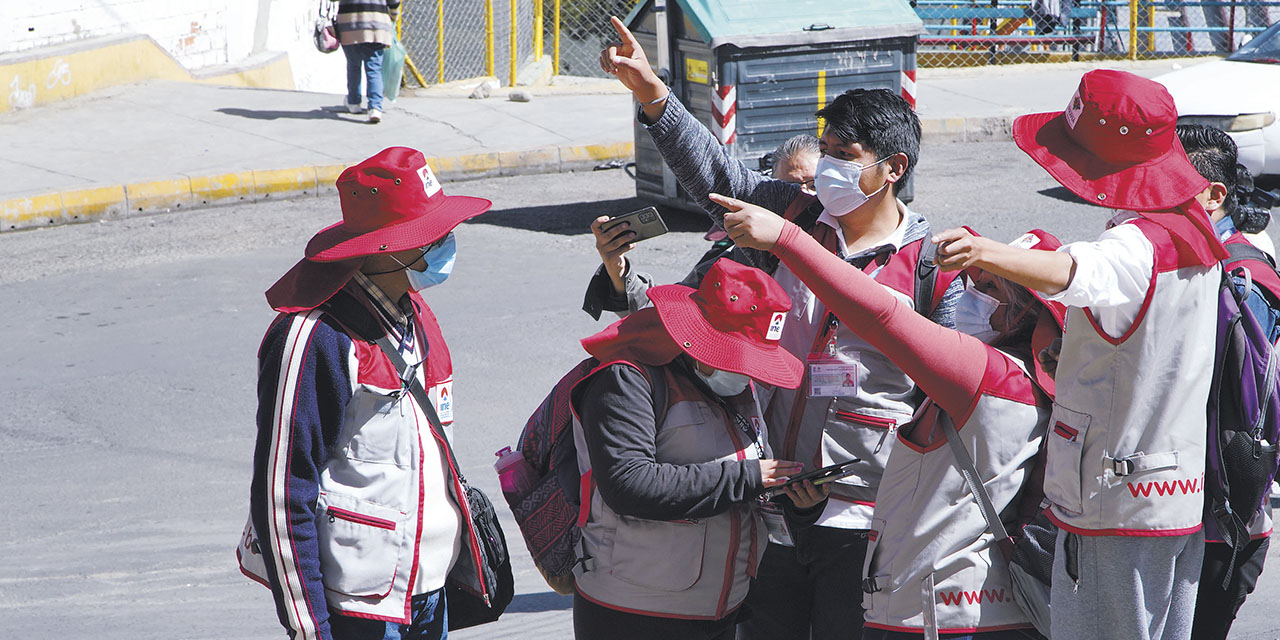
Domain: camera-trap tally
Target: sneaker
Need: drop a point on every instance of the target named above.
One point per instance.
(354, 108)
(375, 116)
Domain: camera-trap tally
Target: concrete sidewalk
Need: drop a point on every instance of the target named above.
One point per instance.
(170, 145)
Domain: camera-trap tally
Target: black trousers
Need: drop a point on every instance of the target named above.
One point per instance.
(812, 590)
(1216, 607)
(594, 622)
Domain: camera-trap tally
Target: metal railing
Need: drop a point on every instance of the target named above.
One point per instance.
(974, 32)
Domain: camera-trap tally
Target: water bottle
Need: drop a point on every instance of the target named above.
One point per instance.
(515, 476)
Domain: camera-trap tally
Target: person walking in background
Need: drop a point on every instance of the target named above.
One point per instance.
(357, 514)
(365, 29)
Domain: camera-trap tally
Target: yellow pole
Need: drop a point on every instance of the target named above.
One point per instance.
(822, 98)
(439, 41)
(1133, 29)
(513, 44)
(555, 40)
(488, 38)
(537, 29)
(1151, 22)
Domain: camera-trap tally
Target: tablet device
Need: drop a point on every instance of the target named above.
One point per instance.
(824, 475)
(646, 223)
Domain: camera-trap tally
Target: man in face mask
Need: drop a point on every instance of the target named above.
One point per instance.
(349, 550)
(869, 146)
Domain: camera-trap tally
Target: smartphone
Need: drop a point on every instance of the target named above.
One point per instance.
(824, 475)
(646, 223)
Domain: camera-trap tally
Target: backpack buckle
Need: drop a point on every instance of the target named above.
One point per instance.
(869, 585)
(1122, 467)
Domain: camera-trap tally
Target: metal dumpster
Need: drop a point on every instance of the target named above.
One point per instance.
(755, 71)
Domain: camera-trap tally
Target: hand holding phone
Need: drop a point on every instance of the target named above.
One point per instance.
(645, 223)
(826, 474)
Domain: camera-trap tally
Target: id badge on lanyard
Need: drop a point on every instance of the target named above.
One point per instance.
(830, 375)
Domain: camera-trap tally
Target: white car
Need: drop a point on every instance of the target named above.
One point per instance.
(1240, 95)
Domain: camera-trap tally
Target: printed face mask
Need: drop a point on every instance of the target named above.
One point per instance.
(973, 315)
(837, 184)
(439, 258)
(725, 384)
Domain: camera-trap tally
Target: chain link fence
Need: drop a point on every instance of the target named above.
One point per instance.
(451, 40)
(584, 31)
(983, 32)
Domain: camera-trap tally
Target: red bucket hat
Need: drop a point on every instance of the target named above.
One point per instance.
(731, 322)
(1114, 145)
(390, 202)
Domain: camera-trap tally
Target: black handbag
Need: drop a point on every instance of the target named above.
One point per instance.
(469, 602)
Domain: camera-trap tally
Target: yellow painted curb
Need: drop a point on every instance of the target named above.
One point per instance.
(94, 202)
(470, 166)
(159, 195)
(227, 186)
(327, 175)
(531, 161)
(592, 154)
(281, 181)
(31, 211)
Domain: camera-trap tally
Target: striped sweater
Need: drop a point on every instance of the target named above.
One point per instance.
(362, 21)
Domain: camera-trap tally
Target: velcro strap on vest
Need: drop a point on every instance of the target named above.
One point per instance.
(1140, 462)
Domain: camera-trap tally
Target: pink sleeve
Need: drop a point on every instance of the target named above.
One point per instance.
(946, 364)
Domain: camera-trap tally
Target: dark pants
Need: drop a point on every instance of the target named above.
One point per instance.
(1011, 634)
(1216, 607)
(812, 588)
(594, 622)
(430, 622)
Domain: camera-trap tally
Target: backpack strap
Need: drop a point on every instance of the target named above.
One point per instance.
(1242, 251)
(926, 277)
(971, 478)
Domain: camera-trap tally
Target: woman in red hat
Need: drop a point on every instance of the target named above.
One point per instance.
(986, 393)
(676, 523)
(357, 515)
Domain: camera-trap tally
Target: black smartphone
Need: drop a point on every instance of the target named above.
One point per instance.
(824, 475)
(646, 223)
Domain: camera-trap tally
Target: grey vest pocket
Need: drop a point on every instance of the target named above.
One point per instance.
(657, 554)
(359, 545)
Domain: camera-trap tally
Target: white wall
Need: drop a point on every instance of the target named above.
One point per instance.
(198, 33)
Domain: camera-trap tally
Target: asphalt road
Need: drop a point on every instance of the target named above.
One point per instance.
(129, 368)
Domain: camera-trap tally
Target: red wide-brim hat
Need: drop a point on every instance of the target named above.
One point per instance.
(732, 322)
(391, 202)
(1114, 145)
(1159, 184)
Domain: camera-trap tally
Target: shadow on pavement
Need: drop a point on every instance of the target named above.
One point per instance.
(575, 218)
(536, 602)
(1064, 194)
(314, 114)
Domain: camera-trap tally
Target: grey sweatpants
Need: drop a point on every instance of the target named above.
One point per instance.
(1135, 588)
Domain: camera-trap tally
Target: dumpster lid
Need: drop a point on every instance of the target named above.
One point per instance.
(767, 23)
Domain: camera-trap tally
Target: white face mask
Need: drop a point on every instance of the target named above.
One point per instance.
(973, 315)
(837, 184)
(725, 384)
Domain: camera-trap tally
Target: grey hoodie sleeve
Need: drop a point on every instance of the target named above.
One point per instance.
(703, 165)
(616, 409)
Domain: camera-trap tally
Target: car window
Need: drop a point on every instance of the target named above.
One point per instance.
(1263, 48)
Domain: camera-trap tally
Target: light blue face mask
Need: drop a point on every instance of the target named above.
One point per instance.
(439, 259)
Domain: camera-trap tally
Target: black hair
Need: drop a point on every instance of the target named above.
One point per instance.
(879, 120)
(1213, 153)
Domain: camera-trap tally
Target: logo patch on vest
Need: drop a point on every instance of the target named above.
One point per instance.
(444, 402)
(1027, 241)
(775, 326)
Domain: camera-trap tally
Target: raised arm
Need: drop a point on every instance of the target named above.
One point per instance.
(699, 161)
(946, 364)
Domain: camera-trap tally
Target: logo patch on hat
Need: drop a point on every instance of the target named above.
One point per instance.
(775, 325)
(1074, 109)
(429, 182)
(1027, 241)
